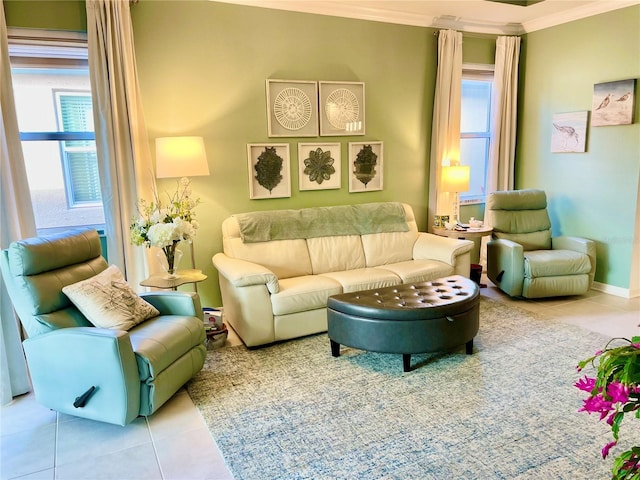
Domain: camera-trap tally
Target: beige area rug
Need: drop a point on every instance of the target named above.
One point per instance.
(509, 411)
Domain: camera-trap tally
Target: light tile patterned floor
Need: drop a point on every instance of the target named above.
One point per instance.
(174, 443)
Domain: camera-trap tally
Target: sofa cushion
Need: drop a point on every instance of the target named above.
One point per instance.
(303, 293)
(550, 263)
(161, 341)
(334, 254)
(108, 301)
(383, 248)
(414, 271)
(364, 279)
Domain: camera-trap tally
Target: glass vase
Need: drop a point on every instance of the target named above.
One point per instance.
(169, 258)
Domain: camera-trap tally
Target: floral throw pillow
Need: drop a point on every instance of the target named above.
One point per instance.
(109, 302)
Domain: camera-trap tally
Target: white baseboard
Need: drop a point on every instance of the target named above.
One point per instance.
(617, 291)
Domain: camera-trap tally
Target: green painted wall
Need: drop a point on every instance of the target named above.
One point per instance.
(202, 68)
(55, 15)
(591, 194)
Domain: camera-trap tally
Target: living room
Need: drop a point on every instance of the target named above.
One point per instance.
(202, 68)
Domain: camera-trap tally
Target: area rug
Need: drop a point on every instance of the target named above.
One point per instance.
(508, 411)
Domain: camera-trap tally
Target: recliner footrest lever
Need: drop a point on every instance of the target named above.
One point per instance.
(82, 400)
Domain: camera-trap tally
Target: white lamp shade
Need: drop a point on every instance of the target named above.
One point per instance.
(181, 157)
(455, 179)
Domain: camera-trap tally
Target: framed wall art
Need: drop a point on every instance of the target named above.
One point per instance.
(365, 166)
(569, 132)
(292, 108)
(613, 103)
(319, 166)
(269, 170)
(341, 108)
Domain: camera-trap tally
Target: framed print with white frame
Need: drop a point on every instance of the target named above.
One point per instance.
(365, 166)
(341, 108)
(292, 108)
(319, 166)
(269, 170)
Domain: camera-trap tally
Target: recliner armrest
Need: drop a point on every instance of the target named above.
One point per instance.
(578, 244)
(175, 303)
(241, 273)
(85, 357)
(505, 265)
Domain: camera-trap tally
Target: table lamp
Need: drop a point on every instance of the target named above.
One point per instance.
(181, 157)
(455, 179)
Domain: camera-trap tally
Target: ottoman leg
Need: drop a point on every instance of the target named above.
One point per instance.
(469, 347)
(406, 362)
(335, 348)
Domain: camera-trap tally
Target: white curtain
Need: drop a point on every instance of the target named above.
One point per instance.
(445, 130)
(16, 222)
(500, 171)
(126, 173)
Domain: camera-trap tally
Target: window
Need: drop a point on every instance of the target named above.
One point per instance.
(52, 94)
(475, 129)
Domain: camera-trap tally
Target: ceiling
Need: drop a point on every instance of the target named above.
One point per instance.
(511, 17)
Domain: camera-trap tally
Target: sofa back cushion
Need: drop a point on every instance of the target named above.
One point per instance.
(285, 258)
(336, 254)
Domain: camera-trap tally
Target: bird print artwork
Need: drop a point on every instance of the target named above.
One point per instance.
(604, 102)
(612, 103)
(569, 132)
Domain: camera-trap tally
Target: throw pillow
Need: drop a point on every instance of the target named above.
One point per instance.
(109, 302)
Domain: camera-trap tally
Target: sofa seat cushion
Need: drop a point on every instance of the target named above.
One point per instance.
(304, 293)
(415, 271)
(550, 263)
(161, 341)
(364, 279)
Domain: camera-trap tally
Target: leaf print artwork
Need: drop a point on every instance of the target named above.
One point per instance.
(319, 165)
(365, 165)
(268, 169)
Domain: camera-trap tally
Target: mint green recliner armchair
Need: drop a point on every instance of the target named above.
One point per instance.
(104, 374)
(523, 260)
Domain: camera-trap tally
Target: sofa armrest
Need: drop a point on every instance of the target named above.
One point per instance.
(241, 273)
(505, 265)
(434, 247)
(175, 303)
(87, 357)
(577, 244)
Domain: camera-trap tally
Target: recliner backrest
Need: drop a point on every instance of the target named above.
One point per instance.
(520, 216)
(36, 269)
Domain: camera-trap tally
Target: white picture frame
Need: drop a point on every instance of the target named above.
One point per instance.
(365, 176)
(259, 155)
(292, 108)
(315, 153)
(341, 108)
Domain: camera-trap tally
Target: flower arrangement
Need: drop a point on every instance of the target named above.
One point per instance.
(613, 393)
(165, 225)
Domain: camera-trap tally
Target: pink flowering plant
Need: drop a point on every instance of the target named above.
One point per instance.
(613, 393)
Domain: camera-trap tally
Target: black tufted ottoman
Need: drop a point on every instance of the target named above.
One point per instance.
(413, 318)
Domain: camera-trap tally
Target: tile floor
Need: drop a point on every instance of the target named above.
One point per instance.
(174, 443)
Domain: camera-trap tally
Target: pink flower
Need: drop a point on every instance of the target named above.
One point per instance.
(596, 404)
(606, 448)
(586, 384)
(618, 392)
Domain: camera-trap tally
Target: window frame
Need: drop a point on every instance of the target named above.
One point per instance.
(484, 73)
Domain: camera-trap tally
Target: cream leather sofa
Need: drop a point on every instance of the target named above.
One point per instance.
(279, 267)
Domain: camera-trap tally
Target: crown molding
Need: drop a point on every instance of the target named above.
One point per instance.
(337, 9)
(577, 14)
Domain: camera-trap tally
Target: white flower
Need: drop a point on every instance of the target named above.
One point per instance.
(163, 234)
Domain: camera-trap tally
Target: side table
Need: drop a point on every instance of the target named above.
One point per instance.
(469, 233)
(160, 280)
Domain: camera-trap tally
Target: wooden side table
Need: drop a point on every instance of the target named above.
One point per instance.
(159, 280)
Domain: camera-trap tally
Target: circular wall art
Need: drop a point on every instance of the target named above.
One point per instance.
(292, 108)
(342, 108)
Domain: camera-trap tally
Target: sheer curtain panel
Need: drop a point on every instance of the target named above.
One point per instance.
(16, 222)
(124, 160)
(500, 171)
(445, 128)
